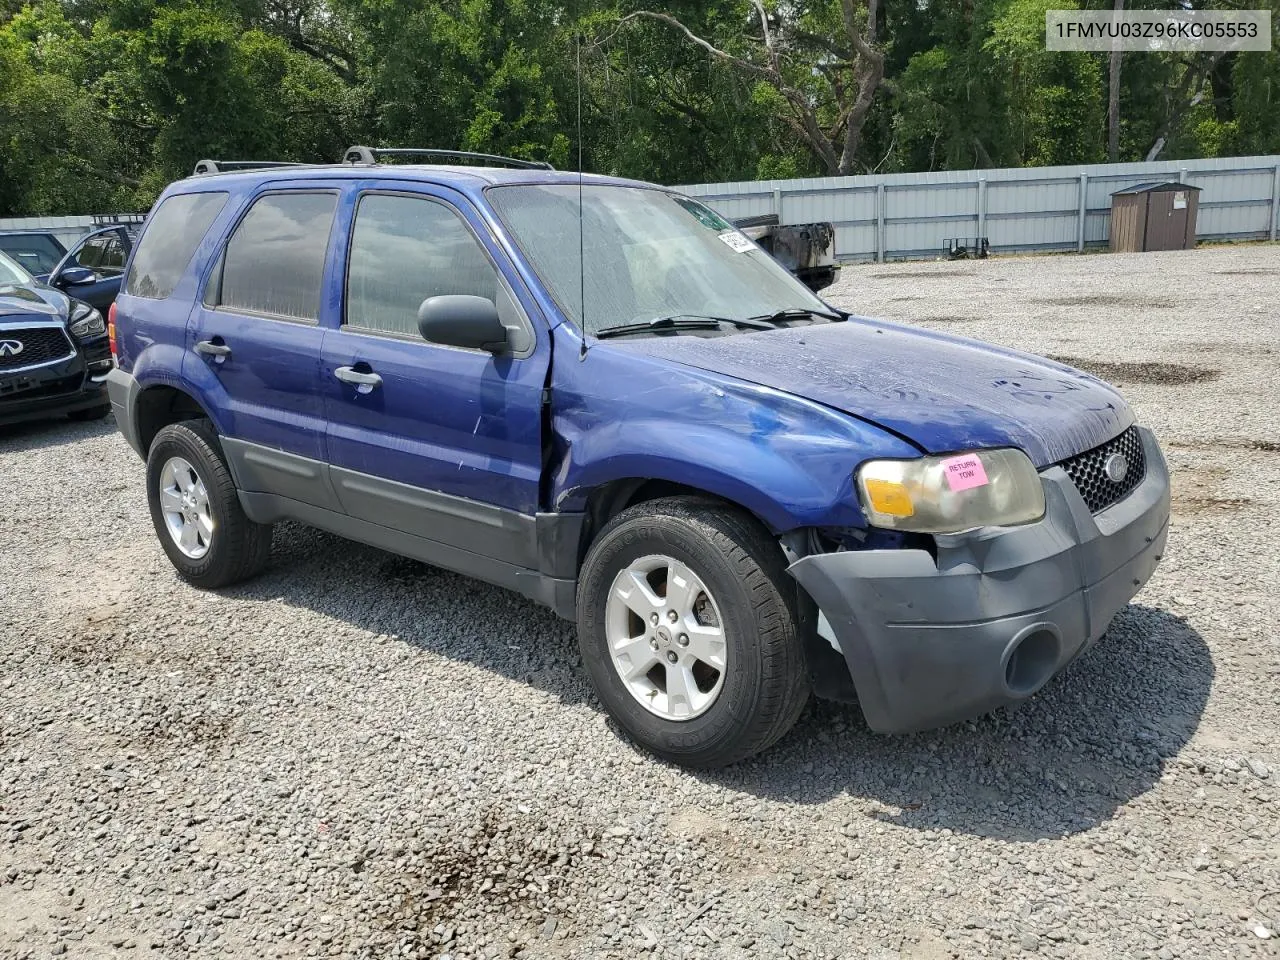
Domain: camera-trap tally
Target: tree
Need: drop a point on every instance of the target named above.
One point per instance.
(1113, 96)
(825, 75)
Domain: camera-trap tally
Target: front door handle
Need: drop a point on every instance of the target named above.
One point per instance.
(363, 381)
(219, 351)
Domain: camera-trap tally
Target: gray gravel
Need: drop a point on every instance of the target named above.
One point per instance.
(359, 756)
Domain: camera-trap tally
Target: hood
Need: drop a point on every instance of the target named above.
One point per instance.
(24, 303)
(940, 392)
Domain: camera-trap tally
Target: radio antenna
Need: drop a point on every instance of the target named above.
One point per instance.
(582, 246)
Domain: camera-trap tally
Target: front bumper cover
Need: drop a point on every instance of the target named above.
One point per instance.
(1000, 612)
(51, 389)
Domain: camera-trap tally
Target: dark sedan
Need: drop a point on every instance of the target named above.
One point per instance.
(54, 352)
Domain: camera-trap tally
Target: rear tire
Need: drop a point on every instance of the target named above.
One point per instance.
(195, 510)
(735, 701)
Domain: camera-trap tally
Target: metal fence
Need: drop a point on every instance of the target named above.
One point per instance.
(906, 216)
(66, 229)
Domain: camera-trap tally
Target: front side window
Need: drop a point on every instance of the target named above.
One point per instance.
(645, 254)
(176, 229)
(104, 254)
(274, 262)
(405, 250)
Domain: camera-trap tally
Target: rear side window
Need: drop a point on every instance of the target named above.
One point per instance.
(274, 262)
(175, 230)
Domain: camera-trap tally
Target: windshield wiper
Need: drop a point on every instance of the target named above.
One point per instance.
(797, 313)
(682, 321)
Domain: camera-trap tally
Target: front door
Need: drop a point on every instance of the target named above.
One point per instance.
(440, 442)
(104, 253)
(256, 342)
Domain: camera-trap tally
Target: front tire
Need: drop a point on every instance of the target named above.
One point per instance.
(687, 628)
(195, 510)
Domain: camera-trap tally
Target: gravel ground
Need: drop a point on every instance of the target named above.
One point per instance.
(360, 756)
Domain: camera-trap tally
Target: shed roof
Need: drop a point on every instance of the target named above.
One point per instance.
(1163, 186)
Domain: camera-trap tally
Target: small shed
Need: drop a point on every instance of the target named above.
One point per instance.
(1154, 216)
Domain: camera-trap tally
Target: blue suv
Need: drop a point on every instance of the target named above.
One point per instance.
(600, 394)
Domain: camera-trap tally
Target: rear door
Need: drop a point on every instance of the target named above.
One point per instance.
(447, 445)
(256, 340)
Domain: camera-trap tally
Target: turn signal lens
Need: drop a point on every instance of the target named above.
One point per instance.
(889, 498)
(111, 329)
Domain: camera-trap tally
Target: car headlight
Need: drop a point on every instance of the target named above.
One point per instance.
(86, 322)
(951, 493)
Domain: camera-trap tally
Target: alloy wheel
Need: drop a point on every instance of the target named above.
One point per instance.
(184, 502)
(666, 638)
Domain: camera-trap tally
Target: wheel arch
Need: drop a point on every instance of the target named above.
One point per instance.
(159, 405)
(609, 499)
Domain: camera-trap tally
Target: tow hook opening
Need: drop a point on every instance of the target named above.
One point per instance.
(1031, 659)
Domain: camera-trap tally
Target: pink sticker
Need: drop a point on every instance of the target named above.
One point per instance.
(964, 472)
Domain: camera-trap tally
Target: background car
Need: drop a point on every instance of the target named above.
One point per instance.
(54, 353)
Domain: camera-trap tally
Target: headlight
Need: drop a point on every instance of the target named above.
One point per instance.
(86, 322)
(951, 493)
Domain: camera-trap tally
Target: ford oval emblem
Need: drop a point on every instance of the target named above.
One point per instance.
(10, 348)
(1116, 467)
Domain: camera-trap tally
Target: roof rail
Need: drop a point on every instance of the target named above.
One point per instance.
(370, 155)
(227, 166)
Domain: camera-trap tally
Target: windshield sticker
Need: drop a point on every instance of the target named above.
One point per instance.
(738, 241)
(964, 472)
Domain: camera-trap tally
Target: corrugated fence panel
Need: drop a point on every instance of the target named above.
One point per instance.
(67, 229)
(909, 215)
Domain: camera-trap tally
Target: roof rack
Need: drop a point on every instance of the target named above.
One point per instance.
(370, 155)
(226, 166)
(113, 219)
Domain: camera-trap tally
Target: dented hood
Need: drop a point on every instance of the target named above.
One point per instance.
(942, 393)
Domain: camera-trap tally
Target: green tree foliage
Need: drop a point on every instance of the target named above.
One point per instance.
(102, 102)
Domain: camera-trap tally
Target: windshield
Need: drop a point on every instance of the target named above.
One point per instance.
(11, 272)
(37, 252)
(648, 254)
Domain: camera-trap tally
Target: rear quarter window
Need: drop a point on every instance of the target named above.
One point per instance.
(176, 229)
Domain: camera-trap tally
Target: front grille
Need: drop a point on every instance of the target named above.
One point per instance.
(1088, 470)
(35, 345)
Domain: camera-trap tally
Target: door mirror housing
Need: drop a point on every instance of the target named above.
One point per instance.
(72, 276)
(462, 321)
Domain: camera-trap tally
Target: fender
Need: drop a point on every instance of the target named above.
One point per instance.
(618, 415)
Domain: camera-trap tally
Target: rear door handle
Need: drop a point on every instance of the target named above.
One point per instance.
(352, 375)
(208, 348)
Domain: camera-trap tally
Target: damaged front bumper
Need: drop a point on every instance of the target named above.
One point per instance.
(1001, 610)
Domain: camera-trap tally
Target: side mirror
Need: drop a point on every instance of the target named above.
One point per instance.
(462, 321)
(74, 275)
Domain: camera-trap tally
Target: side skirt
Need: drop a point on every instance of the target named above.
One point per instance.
(554, 592)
